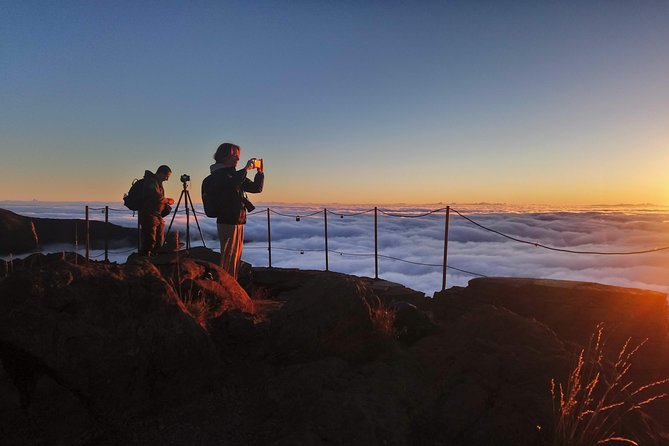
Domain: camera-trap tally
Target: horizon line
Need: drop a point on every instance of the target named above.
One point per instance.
(396, 203)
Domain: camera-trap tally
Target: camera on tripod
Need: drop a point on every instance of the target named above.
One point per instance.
(189, 208)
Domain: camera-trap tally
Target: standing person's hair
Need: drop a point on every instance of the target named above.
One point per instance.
(224, 151)
(164, 169)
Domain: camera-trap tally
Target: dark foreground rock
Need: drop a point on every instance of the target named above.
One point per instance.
(19, 234)
(102, 339)
(173, 352)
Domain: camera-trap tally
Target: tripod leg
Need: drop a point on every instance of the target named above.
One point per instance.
(188, 198)
(174, 214)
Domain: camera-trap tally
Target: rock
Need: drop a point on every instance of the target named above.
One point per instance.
(490, 371)
(114, 337)
(206, 254)
(236, 333)
(16, 233)
(329, 315)
(4, 268)
(389, 304)
(12, 397)
(244, 273)
(318, 366)
(202, 283)
(329, 401)
(411, 324)
(574, 309)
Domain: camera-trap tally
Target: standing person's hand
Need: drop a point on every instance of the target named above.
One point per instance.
(170, 201)
(250, 164)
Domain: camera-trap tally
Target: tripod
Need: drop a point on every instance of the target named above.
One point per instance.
(185, 194)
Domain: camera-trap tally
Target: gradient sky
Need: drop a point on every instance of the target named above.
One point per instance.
(352, 102)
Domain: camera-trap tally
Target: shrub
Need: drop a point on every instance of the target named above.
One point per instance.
(598, 397)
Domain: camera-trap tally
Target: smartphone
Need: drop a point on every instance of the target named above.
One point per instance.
(257, 163)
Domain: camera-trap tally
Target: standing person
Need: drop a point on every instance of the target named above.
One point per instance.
(151, 210)
(232, 185)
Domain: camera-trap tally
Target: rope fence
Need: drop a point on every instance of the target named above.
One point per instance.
(551, 248)
(327, 251)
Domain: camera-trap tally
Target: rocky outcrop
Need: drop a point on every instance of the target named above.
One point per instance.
(491, 369)
(485, 373)
(19, 234)
(313, 358)
(324, 318)
(200, 282)
(93, 340)
(574, 309)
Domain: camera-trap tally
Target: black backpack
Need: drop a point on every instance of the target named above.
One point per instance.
(211, 196)
(133, 199)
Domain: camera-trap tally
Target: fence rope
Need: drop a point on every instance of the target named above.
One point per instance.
(114, 252)
(410, 216)
(360, 254)
(391, 214)
(349, 214)
(121, 210)
(551, 248)
(295, 216)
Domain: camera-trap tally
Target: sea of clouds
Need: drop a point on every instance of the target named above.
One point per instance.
(406, 234)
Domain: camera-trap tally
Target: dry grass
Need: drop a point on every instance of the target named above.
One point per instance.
(198, 309)
(383, 318)
(193, 305)
(598, 397)
(35, 237)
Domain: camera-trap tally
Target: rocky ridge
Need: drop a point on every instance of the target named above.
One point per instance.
(173, 351)
(20, 234)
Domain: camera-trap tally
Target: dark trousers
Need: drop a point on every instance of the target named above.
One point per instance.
(153, 234)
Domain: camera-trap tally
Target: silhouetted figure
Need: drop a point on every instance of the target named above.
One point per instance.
(231, 186)
(154, 205)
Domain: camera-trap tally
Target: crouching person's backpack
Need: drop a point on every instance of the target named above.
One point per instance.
(211, 196)
(133, 199)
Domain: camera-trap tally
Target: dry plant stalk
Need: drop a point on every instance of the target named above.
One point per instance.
(383, 318)
(197, 308)
(598, 398)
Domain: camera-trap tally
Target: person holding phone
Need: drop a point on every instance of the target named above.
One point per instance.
(231, 187)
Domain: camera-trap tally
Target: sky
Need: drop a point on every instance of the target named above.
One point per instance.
(559, 103)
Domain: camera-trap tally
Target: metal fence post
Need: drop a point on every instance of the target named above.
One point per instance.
(325, 216)
(269, 240)
(76, 242)
(443, 280)
(88, 237)
(139, 234)
(106, 233)
(376, 244)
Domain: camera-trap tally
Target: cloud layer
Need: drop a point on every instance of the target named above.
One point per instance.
(301, 244)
